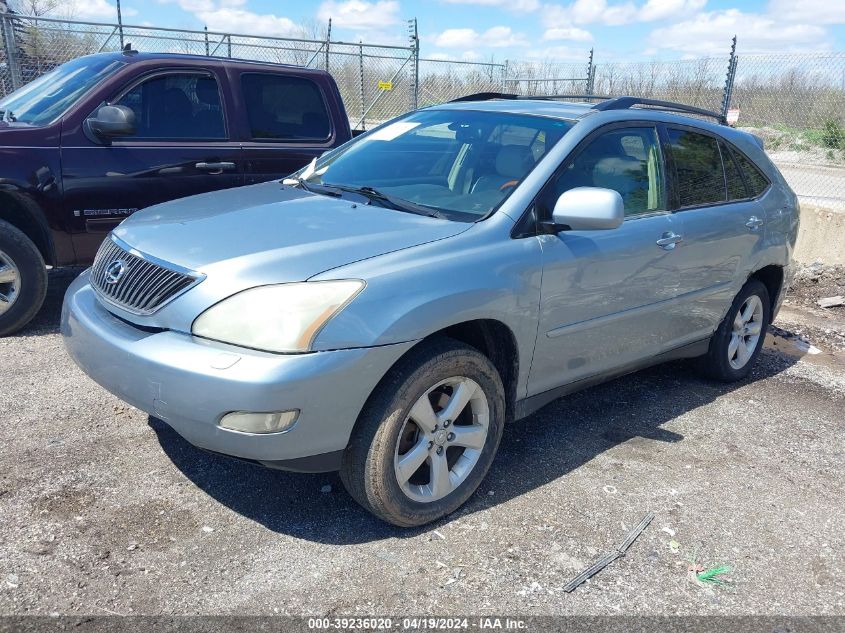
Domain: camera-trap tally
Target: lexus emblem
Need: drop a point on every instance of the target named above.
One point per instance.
(115, 271)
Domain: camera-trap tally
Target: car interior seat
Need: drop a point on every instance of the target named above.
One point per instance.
(512, 163)
(208, 120)
(172, 116)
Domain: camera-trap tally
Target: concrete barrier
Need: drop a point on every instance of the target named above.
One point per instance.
(821, 236)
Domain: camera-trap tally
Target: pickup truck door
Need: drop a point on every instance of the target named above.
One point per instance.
(605, 292)
(286, 122)
(182, 146)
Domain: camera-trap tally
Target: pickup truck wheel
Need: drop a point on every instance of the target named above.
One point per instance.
(23, 279)
(427, 436)
(737, 342)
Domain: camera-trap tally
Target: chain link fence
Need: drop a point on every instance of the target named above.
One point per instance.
(377, 81)
(796, 103)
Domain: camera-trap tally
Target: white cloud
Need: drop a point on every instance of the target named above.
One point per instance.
(466, 56)
(661, 9)
(234, 20)
(710, 33)
(518, 6)
(808, 11)
(230, 16)
(99, 10)
(614, 14)
(567, 33)
(558, 53)
(495, 37)
(357, 14)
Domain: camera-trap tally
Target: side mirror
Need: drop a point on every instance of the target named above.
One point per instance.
(588, 209)
(111, 121)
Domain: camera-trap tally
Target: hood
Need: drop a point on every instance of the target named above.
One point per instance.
(26, 136)
(270, 233)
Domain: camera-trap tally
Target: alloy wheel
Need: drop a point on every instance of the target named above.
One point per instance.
(442, 439)
(10, 282)
(746, 332)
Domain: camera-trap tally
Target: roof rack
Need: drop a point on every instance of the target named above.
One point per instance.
(606, 103)
(623, 103)
(486, 96)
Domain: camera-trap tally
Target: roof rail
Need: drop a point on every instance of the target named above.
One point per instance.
(623, 103)
(486, 96)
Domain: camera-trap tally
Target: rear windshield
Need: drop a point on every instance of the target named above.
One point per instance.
(44, 100)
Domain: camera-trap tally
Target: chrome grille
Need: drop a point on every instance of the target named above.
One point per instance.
(134, 282)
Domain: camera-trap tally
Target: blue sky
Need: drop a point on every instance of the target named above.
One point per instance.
(517, 29)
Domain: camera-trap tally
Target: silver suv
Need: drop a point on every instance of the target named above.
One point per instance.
(386, 310)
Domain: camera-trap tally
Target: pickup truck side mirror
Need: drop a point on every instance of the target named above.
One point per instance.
(588, 209)
(111, 121)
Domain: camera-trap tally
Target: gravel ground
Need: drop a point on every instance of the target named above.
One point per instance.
(103, 510)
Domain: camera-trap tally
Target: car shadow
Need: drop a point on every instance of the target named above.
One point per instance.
(552, 442)
(48, 318)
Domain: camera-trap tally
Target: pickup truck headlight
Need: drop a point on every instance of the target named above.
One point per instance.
(280, 318)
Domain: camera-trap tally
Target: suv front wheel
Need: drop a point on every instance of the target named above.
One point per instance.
(427, 436)
(23, 279)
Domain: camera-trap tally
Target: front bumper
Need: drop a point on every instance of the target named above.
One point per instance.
(191, 383)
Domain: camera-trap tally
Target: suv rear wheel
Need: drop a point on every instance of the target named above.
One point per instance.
(737, 342)
(427, 436)
(23, 279)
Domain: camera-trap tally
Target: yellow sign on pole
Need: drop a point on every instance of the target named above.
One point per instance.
(385, 85)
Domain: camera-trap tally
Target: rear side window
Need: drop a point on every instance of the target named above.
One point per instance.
(736, 185)
(698, 166)
(285, 108)
(757, 182)
(177, 106)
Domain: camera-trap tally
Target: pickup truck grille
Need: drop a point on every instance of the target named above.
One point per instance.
(134, 282)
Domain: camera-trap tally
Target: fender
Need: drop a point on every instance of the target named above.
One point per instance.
(419, 291)
(19, 208)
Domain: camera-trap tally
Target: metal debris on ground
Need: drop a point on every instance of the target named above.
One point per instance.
(832, 302)
(611, 556)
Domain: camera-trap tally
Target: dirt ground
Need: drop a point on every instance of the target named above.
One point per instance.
(103, 510)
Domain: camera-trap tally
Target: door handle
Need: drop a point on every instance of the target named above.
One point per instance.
(215, 168)
(669, 240)
(754, 223)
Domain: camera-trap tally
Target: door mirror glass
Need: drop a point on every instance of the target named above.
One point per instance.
(589, 209)
(111, 121)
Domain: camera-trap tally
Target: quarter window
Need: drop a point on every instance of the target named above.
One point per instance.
(177, 106)
(757, 182)
(699, 168)
(626, 160)
(285, 108)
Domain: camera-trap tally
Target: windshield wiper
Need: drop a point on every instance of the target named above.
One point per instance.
(311, 187)
(400, 204)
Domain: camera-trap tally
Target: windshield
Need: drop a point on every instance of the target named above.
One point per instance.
(460, 163)
(49, 96)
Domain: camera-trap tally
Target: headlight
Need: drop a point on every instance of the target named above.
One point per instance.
(282, 318)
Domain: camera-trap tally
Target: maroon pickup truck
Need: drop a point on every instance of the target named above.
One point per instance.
(102, 136)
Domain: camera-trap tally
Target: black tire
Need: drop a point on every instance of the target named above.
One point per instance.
(367, 469)
(716, 363)
(15, 245)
